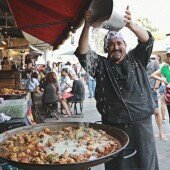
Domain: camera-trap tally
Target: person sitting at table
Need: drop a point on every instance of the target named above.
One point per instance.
(25, 77)
(42, 78)
(51, 88)
(77, 93)
(33, 85)
(66, 84)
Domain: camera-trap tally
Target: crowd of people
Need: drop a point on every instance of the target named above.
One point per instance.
(58, 84)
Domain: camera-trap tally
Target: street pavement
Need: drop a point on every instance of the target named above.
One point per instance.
(91, 115)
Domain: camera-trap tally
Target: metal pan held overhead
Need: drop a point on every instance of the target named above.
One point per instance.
(112, 131)
(104, 14)
(101, 11)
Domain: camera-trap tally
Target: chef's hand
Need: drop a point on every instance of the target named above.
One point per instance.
(128, 18)
(87, 16)
(141, 33)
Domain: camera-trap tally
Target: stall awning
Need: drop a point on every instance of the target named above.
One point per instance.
(48, 20)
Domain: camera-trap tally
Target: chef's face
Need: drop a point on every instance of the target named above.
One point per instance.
(117, 49)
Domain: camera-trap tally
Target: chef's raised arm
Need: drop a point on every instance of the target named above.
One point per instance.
(84, 38)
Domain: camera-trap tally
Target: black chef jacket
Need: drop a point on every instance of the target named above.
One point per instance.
(122, 90)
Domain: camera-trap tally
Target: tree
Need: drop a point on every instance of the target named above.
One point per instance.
(144, 22)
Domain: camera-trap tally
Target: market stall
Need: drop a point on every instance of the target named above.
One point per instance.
(15, 101)
(10, 79)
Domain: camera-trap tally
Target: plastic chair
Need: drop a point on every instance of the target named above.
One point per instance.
(74, 104)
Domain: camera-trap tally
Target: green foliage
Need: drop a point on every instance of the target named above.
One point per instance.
(145, 23)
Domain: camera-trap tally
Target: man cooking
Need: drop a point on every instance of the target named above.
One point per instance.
(122, 91)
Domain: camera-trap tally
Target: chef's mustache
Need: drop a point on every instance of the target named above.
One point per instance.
(113, 54)
(114, 51)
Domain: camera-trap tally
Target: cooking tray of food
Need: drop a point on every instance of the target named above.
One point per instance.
(12, 93)
(62, 145)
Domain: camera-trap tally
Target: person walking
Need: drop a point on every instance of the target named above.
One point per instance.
(48, 67)
(91, 86)
(153, 66)
(161, 91)
(123, 95)
(163, 75)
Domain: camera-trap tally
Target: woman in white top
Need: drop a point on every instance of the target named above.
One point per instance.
(33, 85)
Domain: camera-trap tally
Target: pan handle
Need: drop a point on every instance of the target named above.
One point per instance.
(102, 122)
(98, 122)
(132, 153)
(15, 126)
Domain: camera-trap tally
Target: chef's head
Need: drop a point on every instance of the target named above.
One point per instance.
(115, 46)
